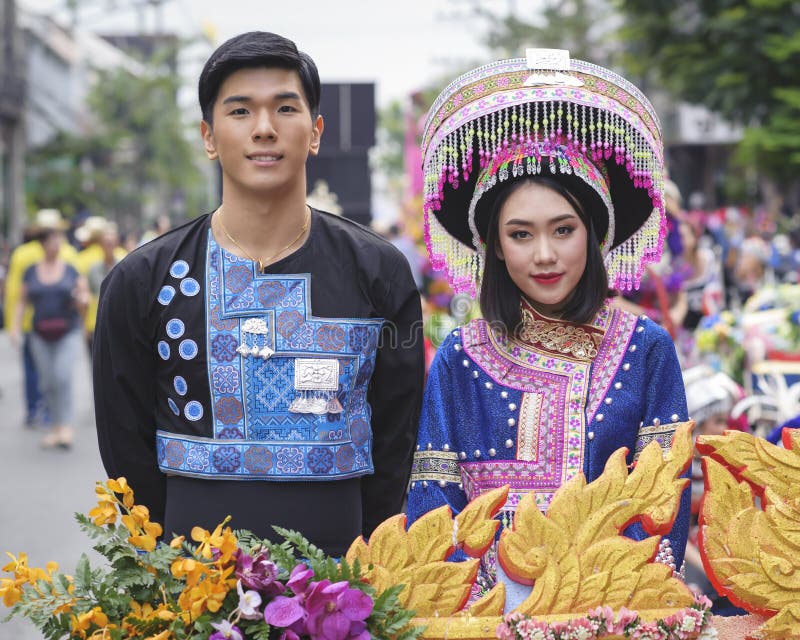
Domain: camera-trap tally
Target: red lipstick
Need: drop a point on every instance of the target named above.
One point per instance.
(547, 278)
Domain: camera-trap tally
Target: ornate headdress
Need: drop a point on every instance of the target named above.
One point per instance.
(579, 123)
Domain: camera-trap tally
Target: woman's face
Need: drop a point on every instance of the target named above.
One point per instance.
(52, 243)
(542, 240)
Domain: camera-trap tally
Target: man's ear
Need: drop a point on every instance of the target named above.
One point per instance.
(316, 135)
(209, 143)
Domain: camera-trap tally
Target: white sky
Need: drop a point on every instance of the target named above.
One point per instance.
(400, 45)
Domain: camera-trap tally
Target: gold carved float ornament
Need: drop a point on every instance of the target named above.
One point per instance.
(574, 557)
(750, 526)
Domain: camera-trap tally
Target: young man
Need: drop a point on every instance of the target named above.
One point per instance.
(262, 361)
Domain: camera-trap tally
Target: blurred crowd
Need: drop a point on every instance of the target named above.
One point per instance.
(50, 284)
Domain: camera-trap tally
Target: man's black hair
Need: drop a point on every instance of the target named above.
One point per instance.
(252, 50)
(500, 297)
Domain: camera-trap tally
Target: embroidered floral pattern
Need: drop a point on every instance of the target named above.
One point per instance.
(290, 460)
(228, 410)
(226, 459)
(238, 278)
(303, 338)
(271, 292)
(288, 322)
(320, 460)
(345, 457)
(257, 459)
(359, 431)
(330, 337)
(223, 347)
(230, 433)
(222, 325)
(226, 379)
(174, 453)
(198, 458)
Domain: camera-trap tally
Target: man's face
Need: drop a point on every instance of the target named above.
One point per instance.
(263, 131)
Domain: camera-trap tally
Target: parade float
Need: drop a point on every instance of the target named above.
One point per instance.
(586, 579)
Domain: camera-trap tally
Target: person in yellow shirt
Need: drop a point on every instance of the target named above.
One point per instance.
(22, 257)
(101, 253)
(100, 241)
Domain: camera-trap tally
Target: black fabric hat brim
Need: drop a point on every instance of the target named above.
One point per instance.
(632, 205)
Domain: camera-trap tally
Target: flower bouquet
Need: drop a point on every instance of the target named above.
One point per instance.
(224, 585)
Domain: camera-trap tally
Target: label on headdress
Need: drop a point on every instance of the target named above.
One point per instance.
(316, 374)
(553, 59)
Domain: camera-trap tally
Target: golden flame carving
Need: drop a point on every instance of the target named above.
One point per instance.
(576, 558)
(417, 557)
(752, 554)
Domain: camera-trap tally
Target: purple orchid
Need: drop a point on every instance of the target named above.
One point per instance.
(258, 572)
(287, 612)
(337, 612)
(321, 610)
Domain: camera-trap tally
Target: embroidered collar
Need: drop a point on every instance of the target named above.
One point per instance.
(560, 337)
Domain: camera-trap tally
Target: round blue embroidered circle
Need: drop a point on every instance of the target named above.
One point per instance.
(190, 287)
(187, 349)
(173, 406)
(175, 328)
(179, 269)
(193, 410)
(163, 350)
(166, 295)
(180, 385)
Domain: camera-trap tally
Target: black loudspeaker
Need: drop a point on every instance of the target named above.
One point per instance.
(343, 162)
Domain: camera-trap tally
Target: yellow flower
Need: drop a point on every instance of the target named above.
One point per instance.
(177, 542)
(190, 568)
(102, 634)
(143, 532)
(23, 573)
(207, 595)
(227, 546)
(120, 485)
(164, 635)
(135, 520)
(104, 513)
(11, 591)
(82, 622)
(207, 540)
(145, 612)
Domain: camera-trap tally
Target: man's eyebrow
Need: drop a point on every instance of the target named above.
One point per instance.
(283, 95)
(230, 99)
(287, 95)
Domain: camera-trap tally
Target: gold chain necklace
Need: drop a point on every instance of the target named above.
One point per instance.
(263, 265)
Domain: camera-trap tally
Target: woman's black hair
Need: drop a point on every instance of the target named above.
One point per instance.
(256, 49)
(500, 297)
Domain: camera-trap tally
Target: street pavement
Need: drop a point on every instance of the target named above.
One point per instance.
(40, 490)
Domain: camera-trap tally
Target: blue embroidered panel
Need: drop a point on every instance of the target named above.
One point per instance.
(260, 327)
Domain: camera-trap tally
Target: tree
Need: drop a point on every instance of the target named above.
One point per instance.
(136, 163)
(581, 26)
(740, 59)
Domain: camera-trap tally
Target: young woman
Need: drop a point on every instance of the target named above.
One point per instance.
(58, 295)
(544, 187)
